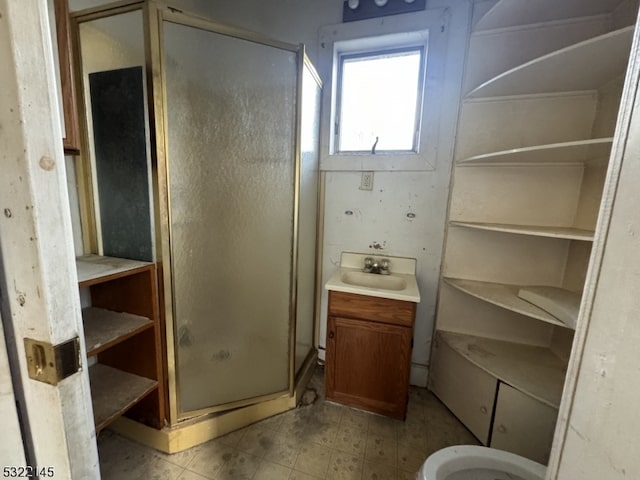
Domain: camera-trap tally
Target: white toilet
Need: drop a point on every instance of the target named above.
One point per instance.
(466, 462)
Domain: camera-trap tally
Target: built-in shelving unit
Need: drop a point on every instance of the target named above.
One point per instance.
(509, 13)
(122, 339)
(568, 233)
(534, 137)
(533, 369)
(570, 69)
(502, 295)
(579, 151)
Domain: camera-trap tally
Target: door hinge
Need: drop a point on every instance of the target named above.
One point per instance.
(52, 363)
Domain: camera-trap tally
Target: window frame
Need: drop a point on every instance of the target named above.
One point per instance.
(441, 92)
(379, 52)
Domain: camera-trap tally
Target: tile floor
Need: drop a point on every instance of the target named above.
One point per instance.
(319, 441)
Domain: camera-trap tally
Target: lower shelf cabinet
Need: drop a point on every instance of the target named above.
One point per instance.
(498, 414)
(523, 425)
(467, 390)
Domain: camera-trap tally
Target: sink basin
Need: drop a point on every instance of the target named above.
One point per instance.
(372, 280)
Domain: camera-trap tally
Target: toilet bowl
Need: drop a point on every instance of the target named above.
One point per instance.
(466, 462)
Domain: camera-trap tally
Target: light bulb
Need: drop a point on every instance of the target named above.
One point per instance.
(353, 4)
(381, 3)
(409, 1)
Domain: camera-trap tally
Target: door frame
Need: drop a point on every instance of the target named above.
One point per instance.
(39, 298)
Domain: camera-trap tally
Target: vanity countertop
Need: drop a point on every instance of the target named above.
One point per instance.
(400, 284)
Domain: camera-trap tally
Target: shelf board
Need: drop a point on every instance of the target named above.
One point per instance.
(534, 370)
(502, 295)
(113, 392)
(580, 151)
(94, 269)
(567, 233)
(509, 13)
(569, 69)
(104, 328)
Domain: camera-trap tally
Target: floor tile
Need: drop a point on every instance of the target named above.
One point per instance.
(344, 466)
(324, 440)
(410, 458)
(296, 475)
(189, 475)
(380, 426)
(210, 458)
(313, 459)
(378, 471)
(350, 439)
(284, 452)
(382, 450)
(271, 471)
(257, 440)
(355, 418)
(241, 466)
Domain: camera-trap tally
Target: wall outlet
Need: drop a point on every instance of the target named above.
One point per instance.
(366, 181)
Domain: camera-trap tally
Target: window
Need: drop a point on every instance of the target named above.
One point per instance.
(378, 101)
(421, 110)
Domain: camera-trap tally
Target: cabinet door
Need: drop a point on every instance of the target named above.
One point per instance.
(467, 390)
(368, 365)
(523, 425)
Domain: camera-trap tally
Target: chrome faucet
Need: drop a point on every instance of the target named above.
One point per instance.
(378, 266)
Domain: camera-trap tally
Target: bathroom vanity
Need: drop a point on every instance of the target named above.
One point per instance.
(370, 335)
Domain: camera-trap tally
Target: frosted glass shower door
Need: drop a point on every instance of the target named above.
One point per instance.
(231, 113)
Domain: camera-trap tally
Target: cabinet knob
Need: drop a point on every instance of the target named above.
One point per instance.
(331, 335)
(502, 429)
(483, 409)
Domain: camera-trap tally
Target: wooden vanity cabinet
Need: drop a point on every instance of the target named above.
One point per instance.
(368, 359)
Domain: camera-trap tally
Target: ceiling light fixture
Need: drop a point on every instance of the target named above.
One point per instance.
(353, 4)
(381, 3)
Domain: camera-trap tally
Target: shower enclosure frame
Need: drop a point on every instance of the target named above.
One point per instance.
(154, 14)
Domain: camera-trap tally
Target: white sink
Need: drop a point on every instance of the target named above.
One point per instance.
(400, 284)
(372, 280)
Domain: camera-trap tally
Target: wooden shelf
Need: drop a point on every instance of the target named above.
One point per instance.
(113, 392)
(502, 295)
(94, 269)
(104, 328)
(569, 69)
(566, 233)
(508, 13)
(580, 151)
(533, 370)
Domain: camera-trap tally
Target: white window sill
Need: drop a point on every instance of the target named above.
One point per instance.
(367, 162)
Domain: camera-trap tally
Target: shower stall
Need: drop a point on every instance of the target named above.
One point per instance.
(224, 199)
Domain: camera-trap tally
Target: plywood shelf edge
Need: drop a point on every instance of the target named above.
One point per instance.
(93, 269)
(104, 328)
(566, 233)
(504, 296)
(113, 392)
